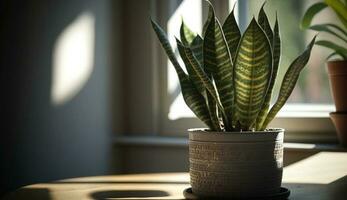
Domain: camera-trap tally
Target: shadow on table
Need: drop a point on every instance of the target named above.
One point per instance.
(29, 194)
(120, 182)
(109, 194)
(304, 191)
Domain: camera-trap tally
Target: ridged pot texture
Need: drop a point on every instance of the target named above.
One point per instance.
(235, 164)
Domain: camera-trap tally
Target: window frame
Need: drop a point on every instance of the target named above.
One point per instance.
(298, 129)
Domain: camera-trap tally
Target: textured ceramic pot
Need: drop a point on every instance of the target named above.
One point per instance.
(235, 164)
(338, 81)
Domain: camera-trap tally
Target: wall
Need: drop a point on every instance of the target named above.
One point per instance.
(40, 141)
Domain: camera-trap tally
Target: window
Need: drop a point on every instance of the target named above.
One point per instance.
(310, 101)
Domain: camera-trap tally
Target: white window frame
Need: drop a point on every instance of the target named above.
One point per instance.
(304, 128)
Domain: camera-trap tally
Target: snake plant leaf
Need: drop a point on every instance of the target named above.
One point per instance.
(232, 33)
(276, 47)
(196, 102)
(202, 76)
(218, 63)
(209, 60)
(210, 65)
(168, 49)
(213, 111)
(310, 13)
(197, 48)
(199, 85)
(187, 35)
(289, 81)
(252, 71)
(264, 24)
(327, 29)
(191, 95)
(223, 76)
(210, 16)
(337, 48)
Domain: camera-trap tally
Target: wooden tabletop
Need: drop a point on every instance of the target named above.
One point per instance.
(322, 176)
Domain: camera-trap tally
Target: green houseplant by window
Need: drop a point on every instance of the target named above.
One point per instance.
(337, 67)
(228, 85)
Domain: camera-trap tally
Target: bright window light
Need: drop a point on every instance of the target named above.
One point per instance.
(191, 12)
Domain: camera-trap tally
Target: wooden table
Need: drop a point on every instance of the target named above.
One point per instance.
(322, 176)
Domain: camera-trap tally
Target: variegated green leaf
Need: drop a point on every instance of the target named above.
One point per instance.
(186, 34)
(223, 76)
(196, 102)
(209, 59)
(289, 81)
(168, 49)
(218, 62)
(209, 18)
(191, 95)
(202, 76)
(213, 111)
(197, 48)
(264, 24)
(232, 34)
(252, 72)
(210, 65)
(199, 85)
(276, 54)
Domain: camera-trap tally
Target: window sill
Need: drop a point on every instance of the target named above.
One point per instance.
(183, 142)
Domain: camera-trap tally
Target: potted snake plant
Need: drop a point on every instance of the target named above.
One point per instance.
(337, 68)
(228, 84)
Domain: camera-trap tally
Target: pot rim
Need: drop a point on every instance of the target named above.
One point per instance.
(270, 135)
(338, 114)
(206, 130)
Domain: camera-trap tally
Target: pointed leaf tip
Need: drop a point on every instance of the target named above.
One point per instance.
(177, 40)
(253, 21)
(262, 7)
(234, 7)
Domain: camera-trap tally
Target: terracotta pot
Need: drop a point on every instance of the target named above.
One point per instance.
(338, 81)
(235, 164)
(340, 122)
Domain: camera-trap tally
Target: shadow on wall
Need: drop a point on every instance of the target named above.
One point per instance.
(55, 90)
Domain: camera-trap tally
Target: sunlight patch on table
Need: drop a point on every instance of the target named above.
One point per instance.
(321, 168)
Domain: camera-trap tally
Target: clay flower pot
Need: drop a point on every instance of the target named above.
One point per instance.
(340, 122)
(338, 82)
(235, 164)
